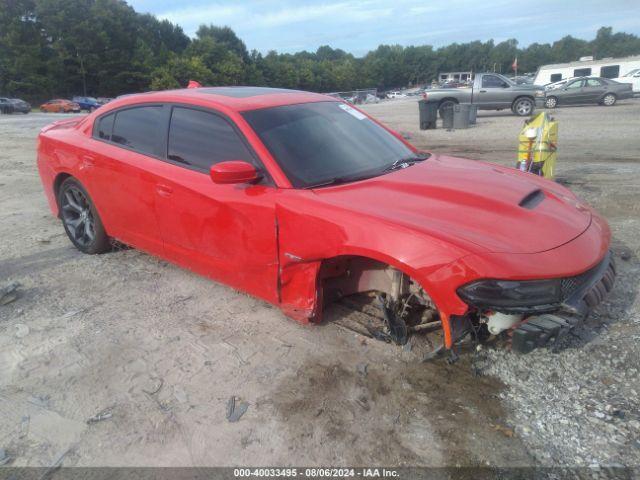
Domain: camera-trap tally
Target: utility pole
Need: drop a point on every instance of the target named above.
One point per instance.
(82, 71)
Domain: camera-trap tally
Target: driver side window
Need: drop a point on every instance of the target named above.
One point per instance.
(576, 84)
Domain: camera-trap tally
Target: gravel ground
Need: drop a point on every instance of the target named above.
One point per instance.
(161, 350)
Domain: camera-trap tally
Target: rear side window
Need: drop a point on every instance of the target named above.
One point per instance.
(104, 127)
(201, 139)
(555, 77)
(137, 128)
(610, 71)
(593, 82)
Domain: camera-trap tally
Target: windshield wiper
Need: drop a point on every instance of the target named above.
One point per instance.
(406, 162)
(395, 165)
(336, 181)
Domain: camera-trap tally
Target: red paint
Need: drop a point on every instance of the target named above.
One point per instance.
(233, 171)
(445, 221)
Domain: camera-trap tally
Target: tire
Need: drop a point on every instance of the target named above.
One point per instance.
(609, 100)
(523, 107)
(551, 102)
(80, 218)
(43, 110)
(444, 105)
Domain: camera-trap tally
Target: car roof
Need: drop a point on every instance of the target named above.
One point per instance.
(235, 98)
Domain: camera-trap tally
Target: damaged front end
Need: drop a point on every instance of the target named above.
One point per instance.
(538, 313)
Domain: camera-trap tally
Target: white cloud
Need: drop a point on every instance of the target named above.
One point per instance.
(191, 18)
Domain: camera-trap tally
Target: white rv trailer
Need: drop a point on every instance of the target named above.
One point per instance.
(586, 67)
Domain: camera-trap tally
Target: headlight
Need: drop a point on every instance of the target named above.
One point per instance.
(511, 294)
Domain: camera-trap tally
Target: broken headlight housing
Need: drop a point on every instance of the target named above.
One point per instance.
(512, 295)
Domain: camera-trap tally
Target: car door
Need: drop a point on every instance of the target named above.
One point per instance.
(227, 232)
(493, 93)
(118, 167)
(593, 90)
(572, 93)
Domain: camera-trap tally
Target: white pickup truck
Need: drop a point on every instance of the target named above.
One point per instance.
(491, 91)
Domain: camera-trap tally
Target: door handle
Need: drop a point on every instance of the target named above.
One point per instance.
(164, 190)
(483, 91)
(87, 162)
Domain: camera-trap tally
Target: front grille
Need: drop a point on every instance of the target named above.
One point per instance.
(571, 285)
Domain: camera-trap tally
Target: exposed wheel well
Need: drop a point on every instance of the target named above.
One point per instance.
(350, 274)
(394, 305)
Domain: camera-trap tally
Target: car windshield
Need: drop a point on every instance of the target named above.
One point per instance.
(632, 72)
(325, 143)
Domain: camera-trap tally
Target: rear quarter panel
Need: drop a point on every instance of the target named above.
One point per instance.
(59, 153)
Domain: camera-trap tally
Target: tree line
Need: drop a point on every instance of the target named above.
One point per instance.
(105, 48)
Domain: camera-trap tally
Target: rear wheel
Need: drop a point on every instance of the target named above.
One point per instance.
(609, 100)
(80, 218)
(445, 105)
(523, 107)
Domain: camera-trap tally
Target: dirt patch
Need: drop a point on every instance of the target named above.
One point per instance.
(417, 414)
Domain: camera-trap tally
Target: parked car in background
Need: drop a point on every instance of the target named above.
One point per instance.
(104, 100)
(490, 91)
(633, 77)
(5, 106)
(587, 67)
(60, 105)
(588, 90)
(558, 84)
(276, 192)
(87, 103)
(370, 98)
(20, 105)
(396, 94)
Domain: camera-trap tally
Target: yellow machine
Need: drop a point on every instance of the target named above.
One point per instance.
(538, 144)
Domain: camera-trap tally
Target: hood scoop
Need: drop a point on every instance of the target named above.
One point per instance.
(532, 200)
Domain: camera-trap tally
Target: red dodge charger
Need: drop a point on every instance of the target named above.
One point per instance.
(301, 199)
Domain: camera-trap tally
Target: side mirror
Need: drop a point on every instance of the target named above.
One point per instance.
(233, 171)
(505, 85)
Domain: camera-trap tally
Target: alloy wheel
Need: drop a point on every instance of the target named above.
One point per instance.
(523, 108)
(609, 100)
(77, 216)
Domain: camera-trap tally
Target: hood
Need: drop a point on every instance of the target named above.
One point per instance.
(475, 205)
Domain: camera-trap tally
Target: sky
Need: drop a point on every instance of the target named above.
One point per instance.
(358, 26)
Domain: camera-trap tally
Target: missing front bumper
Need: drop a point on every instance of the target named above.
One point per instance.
(586, 292)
